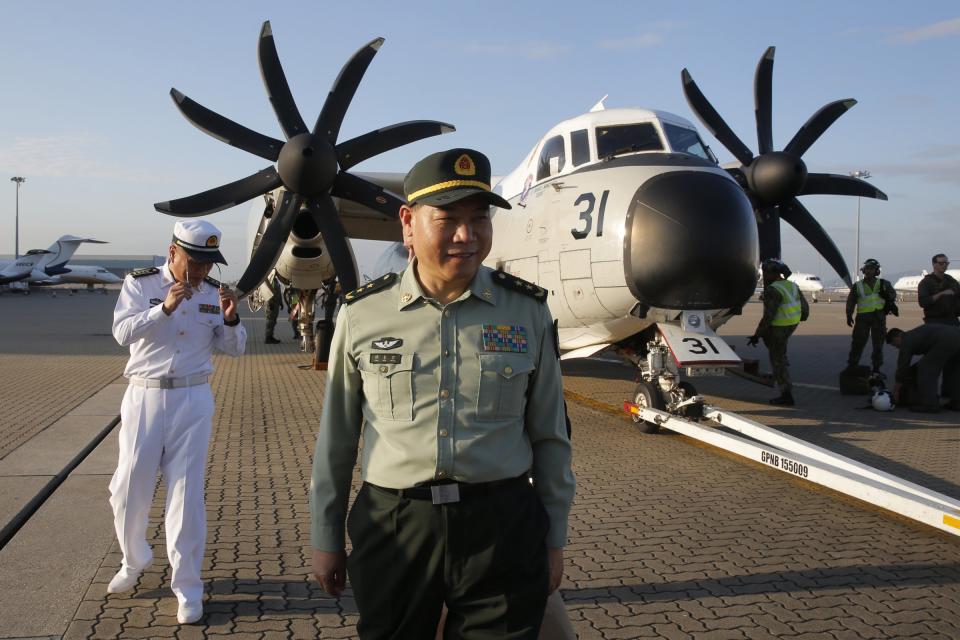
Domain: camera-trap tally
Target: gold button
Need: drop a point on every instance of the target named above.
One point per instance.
(508, 370)
(444, 393)
(384, 368)
(446, 313)
(443, 433)
(446, 353)
(441, 474)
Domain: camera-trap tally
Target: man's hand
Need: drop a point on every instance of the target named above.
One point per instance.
(555, 560)
(228, 302)
(849, 321)
(330, 570)
(753, 340)
(179, 292)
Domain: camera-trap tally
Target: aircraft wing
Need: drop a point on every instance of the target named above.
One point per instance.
(363, 223)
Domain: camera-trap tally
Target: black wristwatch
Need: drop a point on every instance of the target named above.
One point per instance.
(235, 322)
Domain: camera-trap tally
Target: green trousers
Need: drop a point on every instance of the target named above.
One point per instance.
(485, 557)
(871, 326)
(776, 339)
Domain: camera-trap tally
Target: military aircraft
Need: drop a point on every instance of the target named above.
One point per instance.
(644, 242)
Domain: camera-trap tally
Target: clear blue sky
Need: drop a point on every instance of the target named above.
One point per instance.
(87, 119)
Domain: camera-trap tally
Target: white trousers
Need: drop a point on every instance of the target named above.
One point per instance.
(169, 430)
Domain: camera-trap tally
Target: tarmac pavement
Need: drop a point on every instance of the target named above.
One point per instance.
(668, 538)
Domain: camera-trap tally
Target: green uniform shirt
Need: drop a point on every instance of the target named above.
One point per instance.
(469, 391)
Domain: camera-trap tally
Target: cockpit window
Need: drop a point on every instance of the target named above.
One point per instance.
(683, 140)
(628, 138)
(553, 150)
(579, 147)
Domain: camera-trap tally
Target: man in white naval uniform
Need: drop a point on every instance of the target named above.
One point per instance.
(171, 318)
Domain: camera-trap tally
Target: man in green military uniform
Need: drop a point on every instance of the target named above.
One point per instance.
(452, 369)
(273, 308)
(873, 298)
(784, 307)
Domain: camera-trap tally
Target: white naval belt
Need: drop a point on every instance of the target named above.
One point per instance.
(168, 383)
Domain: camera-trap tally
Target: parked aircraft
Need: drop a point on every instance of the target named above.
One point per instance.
(908, 284)
(38, 265)
(808, 283)
(643, 241)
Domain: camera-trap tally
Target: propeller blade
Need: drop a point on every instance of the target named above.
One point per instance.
(271, 244)
(768, 232)
(801, 220)
(222, 197)
(763, 101)
(226, 130)
(335, 107)
(366, 193)
(276, 84)
(356, 150)
(813, 128)
(712, 120)
(838, 185)
(327, 219)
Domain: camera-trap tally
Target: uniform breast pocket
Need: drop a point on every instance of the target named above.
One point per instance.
(503, 384)
(388, 384)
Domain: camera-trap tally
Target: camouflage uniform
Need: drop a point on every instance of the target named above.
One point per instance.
(873, 322)
(775, 337)
(273, 307)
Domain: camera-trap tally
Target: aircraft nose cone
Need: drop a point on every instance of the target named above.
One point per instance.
(691, 242)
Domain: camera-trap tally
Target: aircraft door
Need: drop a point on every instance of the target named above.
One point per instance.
(550, 280)
(578, 286)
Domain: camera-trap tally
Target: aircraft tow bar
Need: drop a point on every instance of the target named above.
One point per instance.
(806, 461)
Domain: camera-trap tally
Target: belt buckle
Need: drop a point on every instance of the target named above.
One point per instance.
(445, 493)
(166, 383)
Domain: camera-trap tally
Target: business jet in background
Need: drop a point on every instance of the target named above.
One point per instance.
(809, 284)
(908, 284)
(89, 275)
(42, 266)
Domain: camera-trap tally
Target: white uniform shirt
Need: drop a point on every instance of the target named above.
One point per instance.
(177, 345)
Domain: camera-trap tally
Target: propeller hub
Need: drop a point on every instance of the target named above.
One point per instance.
(307, 165)
(776, 177)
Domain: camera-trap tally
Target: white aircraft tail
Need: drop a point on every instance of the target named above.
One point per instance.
(61, 251)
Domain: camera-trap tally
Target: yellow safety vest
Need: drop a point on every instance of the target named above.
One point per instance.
(867, 300)
(788, 313)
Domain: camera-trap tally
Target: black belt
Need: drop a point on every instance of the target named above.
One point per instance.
(467, 489)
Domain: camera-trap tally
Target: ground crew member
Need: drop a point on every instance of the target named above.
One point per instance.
(784, 307)
(171, 318)
(873, 298)
(939, 294)
(452, 369)
(274, 305)
(292, 298)
(939, 345)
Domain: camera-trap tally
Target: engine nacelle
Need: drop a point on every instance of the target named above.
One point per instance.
(305, 267)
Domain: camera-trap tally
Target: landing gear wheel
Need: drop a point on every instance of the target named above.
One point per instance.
(647, 395)
(694, 411)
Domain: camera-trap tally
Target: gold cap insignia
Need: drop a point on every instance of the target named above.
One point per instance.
(212, 241)
(465, 166)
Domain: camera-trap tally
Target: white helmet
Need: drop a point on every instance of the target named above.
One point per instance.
(882, 400)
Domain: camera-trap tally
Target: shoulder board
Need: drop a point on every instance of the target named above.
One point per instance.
(371, 287)
(520, 285)
(212, 281)
(139, 273)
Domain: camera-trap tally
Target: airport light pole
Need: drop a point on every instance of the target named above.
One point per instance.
(16, 220)
(862, 175)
